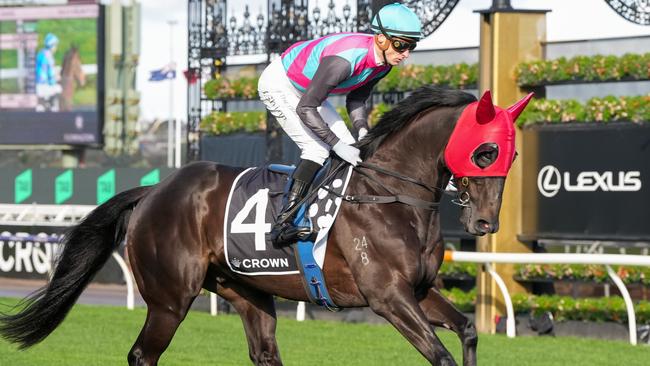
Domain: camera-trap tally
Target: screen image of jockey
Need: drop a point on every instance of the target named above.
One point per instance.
(47, 85)
(295, 87)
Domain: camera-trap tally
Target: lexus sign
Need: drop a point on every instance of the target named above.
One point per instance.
(550, 180)
(587, 182)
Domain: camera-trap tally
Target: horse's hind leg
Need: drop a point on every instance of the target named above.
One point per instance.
(257, 311)
(442, 313)
(169, 287)
(156, 334)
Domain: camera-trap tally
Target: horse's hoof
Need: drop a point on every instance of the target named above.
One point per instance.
(447, 361)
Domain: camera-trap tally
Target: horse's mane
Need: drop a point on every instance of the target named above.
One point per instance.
(421, 99)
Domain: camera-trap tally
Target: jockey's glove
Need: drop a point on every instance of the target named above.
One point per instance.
(347, 152)
(362, 133)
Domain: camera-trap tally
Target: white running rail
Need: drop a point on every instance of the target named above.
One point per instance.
(607, 260)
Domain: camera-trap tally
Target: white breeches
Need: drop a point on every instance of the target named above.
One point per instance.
(47, 91)
(281, 99)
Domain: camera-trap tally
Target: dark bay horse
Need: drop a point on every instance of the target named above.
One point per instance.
(71, 74)
(174, 235)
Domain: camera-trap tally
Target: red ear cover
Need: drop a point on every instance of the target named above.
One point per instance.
(516, 109)
(482, 122)
(485, 110)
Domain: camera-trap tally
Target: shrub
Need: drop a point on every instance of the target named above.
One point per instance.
(608, 109)
(582, 272)
(584, 68)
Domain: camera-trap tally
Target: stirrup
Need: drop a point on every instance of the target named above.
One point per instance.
(288, 234)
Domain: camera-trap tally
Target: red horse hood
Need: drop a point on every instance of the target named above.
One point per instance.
(482, 122)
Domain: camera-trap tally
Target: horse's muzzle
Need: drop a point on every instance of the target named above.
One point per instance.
(483, 227)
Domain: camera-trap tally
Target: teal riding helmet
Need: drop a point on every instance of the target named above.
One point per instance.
(397, 20)
(51, 40)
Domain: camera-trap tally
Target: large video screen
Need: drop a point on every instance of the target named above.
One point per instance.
(50, 72)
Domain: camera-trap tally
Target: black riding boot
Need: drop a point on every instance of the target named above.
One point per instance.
(284, 232)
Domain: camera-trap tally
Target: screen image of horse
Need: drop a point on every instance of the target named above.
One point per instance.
(72, 75)
(174, 234)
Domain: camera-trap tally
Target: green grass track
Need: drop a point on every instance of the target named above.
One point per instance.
(102, 335)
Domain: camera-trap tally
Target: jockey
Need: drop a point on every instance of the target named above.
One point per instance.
(295, 87)
(46, 83)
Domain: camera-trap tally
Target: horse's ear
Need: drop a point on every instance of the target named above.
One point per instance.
(515, 110)
(485, 110)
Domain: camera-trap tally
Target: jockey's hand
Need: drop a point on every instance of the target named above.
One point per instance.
(362, 133)
(347, 152)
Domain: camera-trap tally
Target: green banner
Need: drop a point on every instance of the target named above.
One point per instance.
(63, 186)
(153, 177)
(23, 186)
(106, 186)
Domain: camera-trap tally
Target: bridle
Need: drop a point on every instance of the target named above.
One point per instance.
(462, 197)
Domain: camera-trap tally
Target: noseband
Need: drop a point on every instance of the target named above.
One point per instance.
(463, 197)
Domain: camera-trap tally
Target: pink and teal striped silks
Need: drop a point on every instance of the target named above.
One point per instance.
(302, 59)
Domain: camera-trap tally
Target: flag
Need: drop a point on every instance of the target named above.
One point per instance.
(167, 72)
(192, 76)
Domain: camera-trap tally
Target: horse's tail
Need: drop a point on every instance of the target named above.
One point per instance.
(86, 247)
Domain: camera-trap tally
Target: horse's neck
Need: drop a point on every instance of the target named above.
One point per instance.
(68, 74)
(417, 152)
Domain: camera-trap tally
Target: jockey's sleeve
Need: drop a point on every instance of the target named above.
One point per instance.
(331, 71)
(355, 103)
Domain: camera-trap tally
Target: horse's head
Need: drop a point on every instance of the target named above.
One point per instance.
(479, 154)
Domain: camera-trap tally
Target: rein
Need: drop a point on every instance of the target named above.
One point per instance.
(393, 197)
(461, 199)
(400, 198)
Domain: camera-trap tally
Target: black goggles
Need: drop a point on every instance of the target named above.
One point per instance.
(398, 44)
(401, 45)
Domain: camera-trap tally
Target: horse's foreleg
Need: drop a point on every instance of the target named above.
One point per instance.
(257, 311)
(442, 313)
(399, 306)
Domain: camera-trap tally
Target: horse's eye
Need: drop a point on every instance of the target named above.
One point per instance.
(485, 155)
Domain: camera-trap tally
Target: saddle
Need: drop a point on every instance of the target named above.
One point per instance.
(254, 201)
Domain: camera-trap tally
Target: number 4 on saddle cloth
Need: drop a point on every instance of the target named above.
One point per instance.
(253, 204)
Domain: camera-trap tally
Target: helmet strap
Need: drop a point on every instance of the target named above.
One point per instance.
(383, 47)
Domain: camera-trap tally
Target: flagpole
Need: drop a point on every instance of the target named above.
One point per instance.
(170, 123)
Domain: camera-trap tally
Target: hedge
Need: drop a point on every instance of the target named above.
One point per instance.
(223, 123)
(600, 110)
(562, 307)
(584, 68)
(465, 76)
(399, 79)
(585, 309)
(458, 269)
(607, 109)
(226, 88)
(410, 77)
(581, 272)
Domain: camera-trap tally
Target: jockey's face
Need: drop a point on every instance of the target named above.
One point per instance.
(394, 55)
